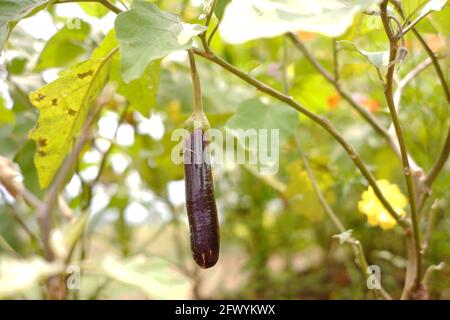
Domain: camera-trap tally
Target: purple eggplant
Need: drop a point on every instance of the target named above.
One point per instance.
(200, 201)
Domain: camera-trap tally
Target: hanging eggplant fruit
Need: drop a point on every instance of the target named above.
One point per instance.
(200, 200)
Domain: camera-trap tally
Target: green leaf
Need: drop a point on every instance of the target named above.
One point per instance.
(63, 48)
(254, 114)
(140, 93)
(412, 6)
(377, 58)
(220, 8)
(441, 21)
(146, 34)
(63, 106)
(17, 65)
(94, 9)
(246, 20)
(11, 11)
(6, 115)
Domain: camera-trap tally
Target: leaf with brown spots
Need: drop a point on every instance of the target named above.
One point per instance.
(63, 105)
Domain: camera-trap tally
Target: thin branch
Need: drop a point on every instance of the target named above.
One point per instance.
(412, 24)
(7, 247)
(346, 95)
(393, 50)
(431, 269)
(335, 62)
(407, 79)
(107, 153)
(105, 3)
(390, 138)
(30, 198)
(428, 50)
(202, 36)
(18, 219)
(416, 171)
(443, 156)
(357, 247)
(213, 32)
(210, 13)
(440, 162)
(198, 104)
(320, 120)
(435, 209)
(324, 203)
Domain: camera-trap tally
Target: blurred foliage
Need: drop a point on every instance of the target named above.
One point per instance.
(276, 239)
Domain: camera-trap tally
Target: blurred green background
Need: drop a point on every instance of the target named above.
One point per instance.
(276, 240)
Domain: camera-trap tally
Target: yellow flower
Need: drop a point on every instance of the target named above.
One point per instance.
(376, 214)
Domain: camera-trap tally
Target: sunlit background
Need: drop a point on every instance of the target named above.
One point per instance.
(276, 240)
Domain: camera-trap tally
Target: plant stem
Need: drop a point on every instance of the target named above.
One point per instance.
(198, 104)
(428, 50)
(412, 24)
(407, 79)
(348, 97)
(320, 120)
(431, 269)
(335, 62)
(105, 3)
(356, 245)
(388, 90)
(210, 13)
(440, 162)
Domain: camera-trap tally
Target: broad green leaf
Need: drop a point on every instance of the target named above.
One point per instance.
(441, 21)
(17, 65)
(6, 115)
(11, 11)
(220, 8)
(141, 92)
(63, 106)
(146, 34)
(254, 115)
(155, 276)
(63, 48)
(95, 9)
(246, 20)
(412, 6)
(377, 58)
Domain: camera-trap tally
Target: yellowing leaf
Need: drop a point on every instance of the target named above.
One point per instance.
(7, 116)
(63, 106)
